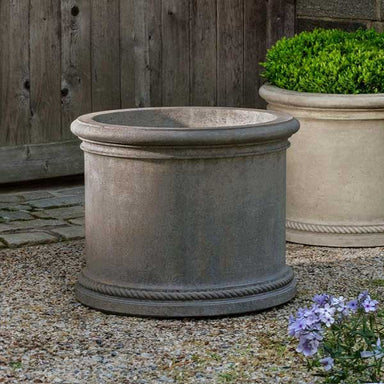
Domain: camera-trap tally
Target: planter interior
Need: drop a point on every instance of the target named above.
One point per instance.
(192, 202)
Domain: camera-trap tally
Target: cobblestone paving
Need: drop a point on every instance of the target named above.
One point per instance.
(41, 216)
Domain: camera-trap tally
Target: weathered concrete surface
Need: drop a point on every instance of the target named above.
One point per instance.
(185, 211)
(335, 178)
(348, 15)
(348, 9)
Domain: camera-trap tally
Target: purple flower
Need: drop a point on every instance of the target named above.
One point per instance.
(338, 303)
(321, 299)
(310, 325)
(363, 296)
(327, 363)
(309, 343)
(340, 306)
(352, 305)
(296, 327)
(377, 353)
(311, 316)
(369, 305)
(301, 312)
(326, 315)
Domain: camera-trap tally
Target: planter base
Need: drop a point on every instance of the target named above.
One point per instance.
(335, 236)
(207, 303)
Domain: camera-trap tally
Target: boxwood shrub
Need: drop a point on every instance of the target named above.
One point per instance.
(328, 61)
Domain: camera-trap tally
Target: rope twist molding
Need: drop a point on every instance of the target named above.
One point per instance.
(337, 229)
(143, 294)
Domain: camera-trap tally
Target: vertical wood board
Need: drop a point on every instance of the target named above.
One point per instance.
(280, 20)
(127, 59)
(14, 73)
(203, 52)
(76, 93)
(175, 52)
(45, 70)
(230, 51)
(147, 53)
(105, 51)
(255, 34)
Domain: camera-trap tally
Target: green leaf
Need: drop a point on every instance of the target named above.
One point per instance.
(328, 61)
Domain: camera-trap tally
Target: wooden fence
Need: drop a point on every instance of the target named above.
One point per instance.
(63, 58)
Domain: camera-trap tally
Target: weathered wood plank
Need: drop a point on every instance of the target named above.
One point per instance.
(280, 20)
(105, 55)
(76, 94)
(175, 52)
(255, 34)
(127, 59)
(45, 71)
(40, 161)
(147, 53)
(290, 17)
(230, 47)
(14, 73)
(124, 53)
(203, 52)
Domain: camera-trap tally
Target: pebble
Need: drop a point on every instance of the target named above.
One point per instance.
(58, 340)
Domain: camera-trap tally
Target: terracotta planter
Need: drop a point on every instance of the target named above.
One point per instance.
(335, 168)
(185, 210)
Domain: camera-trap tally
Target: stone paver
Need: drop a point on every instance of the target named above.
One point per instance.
(6, 227)
(20, 207)
(15, 215)
(7, 205)
(57, 202)
(70, 233)
(14, 240)
(71, 191)
(30, 224)
(36, 195)
(36, 216)
(7, 198)
(61, 213)
(78, 221)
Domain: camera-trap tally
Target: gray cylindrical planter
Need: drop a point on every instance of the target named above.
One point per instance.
(185, 210)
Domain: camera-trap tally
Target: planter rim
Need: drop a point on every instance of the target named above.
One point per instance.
(87, 128)
(276, 95)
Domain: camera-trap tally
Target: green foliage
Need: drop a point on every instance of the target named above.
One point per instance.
(15, 364)
(345, 342)
(328, 61)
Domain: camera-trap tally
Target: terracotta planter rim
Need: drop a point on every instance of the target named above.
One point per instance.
(91, 127)
(276, 95)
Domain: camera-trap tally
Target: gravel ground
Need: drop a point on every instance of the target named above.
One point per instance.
(47, 337)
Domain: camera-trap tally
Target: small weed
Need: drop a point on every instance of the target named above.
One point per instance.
(281, 350)
(215, 356)
(227, 377)
(196, 358)
(15, 364)
(377, 282)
